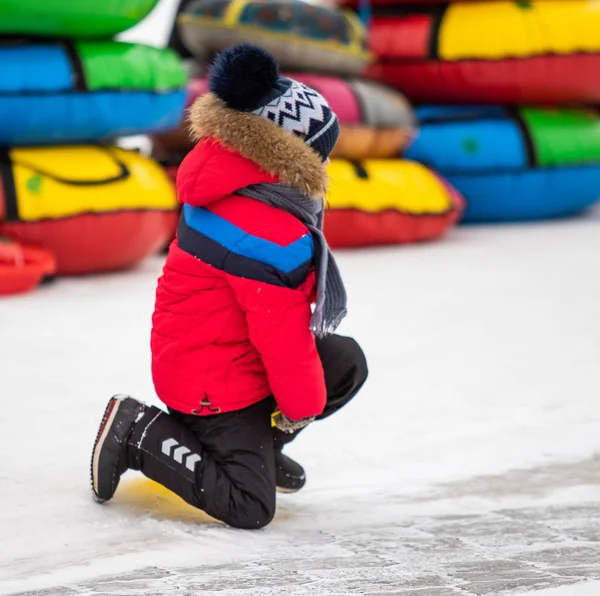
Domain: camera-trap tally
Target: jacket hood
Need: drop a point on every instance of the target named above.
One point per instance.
(211, 171)
(236, 149)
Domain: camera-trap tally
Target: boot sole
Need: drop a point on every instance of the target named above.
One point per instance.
(292, 489)
(105, 425)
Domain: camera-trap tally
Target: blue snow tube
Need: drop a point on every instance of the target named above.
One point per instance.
(53, 92)
(513, 164)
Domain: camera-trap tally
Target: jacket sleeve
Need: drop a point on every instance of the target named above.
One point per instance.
(278, 316)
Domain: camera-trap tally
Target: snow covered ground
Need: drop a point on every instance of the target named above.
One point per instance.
(468, 466)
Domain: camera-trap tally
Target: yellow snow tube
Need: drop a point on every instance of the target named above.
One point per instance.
(95, 208)
(387, 201)
(499, 30)
(56, 182)
(377, 185)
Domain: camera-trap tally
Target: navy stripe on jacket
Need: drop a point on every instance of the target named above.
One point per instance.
(249, 257)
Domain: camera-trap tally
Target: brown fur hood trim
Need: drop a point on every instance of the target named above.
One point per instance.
(276, 151)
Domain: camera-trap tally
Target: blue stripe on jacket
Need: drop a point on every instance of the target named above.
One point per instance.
(220, 244)
(285, 258)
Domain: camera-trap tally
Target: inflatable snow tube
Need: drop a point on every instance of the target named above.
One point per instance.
(376, 122)
(71, 18)
(387, 202)
(384, 201)
(540, 51)
(299, 34)
(53, 93)
(171, 146)
(96, 208)
(23, 268)
(513, 165)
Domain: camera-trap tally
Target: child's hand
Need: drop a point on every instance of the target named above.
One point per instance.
(286, 425)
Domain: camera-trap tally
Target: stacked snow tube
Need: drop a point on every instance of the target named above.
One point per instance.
(384, 202)
(299, 34)
(95, 208)
(497, 52)
(72, 19)
(303, 37)
(374, 198)
(63, 82)
(471, 66)
(171, 146)
(381, 202)
(514, 164)
(376, 122)
(391, 201)
(73, 92)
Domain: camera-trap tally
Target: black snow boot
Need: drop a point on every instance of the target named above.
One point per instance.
(110, 458)
(289, 475)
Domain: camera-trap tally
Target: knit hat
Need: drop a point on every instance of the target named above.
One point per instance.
(246, 78)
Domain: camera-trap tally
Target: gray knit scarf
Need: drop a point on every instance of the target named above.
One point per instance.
(330, 307)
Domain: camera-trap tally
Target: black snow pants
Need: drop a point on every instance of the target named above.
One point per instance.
(224, 464)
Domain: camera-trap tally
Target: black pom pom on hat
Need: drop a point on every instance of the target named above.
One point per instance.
(242, 76)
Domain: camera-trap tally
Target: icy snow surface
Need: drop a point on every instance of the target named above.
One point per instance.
(466, 467)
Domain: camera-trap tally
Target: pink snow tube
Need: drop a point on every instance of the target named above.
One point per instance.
(376, 122)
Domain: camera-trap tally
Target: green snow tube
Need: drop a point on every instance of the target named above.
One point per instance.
(78, 19)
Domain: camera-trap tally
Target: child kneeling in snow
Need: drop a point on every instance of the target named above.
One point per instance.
(238, 355)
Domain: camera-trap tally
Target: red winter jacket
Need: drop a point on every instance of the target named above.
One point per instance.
(231, 324)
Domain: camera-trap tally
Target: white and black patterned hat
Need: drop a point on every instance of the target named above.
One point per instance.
(246, 78)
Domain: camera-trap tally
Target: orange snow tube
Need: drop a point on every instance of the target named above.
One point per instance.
(95, 208)
(22, 268)
(387, 201)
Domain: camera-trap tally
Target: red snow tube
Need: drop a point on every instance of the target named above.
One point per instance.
(95, 208)
(540, 80)
(91, 243)
(385, 201)
(22, 268)
(490, 52)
